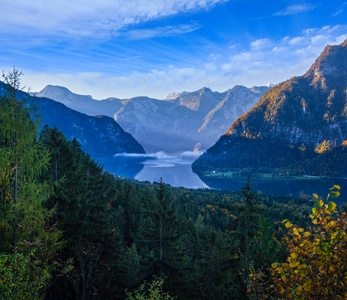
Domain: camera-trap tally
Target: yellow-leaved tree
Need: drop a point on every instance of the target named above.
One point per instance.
(316, 267)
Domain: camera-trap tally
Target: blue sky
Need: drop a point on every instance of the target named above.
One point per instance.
(126, 48)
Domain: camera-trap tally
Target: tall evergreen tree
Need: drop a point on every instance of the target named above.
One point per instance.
(83, 211)
(24, 228)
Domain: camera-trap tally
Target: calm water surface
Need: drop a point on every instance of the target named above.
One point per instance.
(176, 171)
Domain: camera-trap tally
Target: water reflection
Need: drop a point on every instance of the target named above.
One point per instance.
(286, 187)
(122, 166)
(176, 171)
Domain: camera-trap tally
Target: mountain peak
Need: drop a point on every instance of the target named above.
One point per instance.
(175, 95)
(290, 121)
(205, 90)
(59, 93)
(331, 63)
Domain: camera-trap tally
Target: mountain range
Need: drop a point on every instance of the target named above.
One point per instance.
(181, 122)
(99, 136)
(292, 126)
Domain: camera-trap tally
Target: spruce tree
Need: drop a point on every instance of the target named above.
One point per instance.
(25, 234)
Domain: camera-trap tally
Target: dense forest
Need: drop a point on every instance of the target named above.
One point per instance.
(70, 230)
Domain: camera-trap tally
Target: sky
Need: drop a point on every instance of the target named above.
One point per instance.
(128, 48)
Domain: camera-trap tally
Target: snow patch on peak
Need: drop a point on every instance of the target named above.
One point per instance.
(175, 95)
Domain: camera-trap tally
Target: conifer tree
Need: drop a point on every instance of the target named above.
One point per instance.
(26, 237)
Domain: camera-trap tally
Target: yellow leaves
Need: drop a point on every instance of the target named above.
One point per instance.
(335, 187)
(335, 194)
(307, 234)
(294, 264)
(294, 255)
(288, 225)
(315, 256)
(331, 224)
(332, 206)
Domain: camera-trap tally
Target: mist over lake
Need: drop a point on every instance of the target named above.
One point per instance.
(173, 169)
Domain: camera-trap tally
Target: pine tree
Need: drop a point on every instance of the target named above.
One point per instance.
(25, 233)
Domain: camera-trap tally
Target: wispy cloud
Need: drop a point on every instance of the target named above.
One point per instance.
(140, 34)
(260, 44)
(88, 17)
(265, 61)
(295, 9)
(341, 9)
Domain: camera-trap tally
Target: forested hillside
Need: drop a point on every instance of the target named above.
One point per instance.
(295, 121)
(70, 230)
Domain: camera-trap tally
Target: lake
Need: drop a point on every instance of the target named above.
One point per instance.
(176, 171)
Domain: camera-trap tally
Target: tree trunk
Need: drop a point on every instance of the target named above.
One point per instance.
(161, 238)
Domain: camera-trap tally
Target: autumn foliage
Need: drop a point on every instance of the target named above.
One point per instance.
(317, 265)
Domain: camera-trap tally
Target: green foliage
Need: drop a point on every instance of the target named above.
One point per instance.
(119, 233)
(28, 245)
(316, 267)
(283, 127)
(150, 291)
(20, 278)
(329, 163)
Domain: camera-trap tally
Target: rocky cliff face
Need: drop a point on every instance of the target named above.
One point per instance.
(183, 121)
(100, 136)
(290, 121)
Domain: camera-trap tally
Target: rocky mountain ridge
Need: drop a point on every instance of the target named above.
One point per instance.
(183, 121)
(100, 136)
(290, 122)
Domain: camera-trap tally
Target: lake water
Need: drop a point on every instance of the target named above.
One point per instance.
(176, 171)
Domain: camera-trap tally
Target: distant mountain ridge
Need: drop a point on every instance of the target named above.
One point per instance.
(99, 136)
(183, 121)
(290, 122)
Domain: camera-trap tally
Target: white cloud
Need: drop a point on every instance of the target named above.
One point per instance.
(285, 58)
(161, 31)
(261, 43)
(88, 17)
(296, 40)
(295, 9)
(338, 12)
(341, 9)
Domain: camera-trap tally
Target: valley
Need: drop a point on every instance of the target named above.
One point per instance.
(292, 133)
(187, 150)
